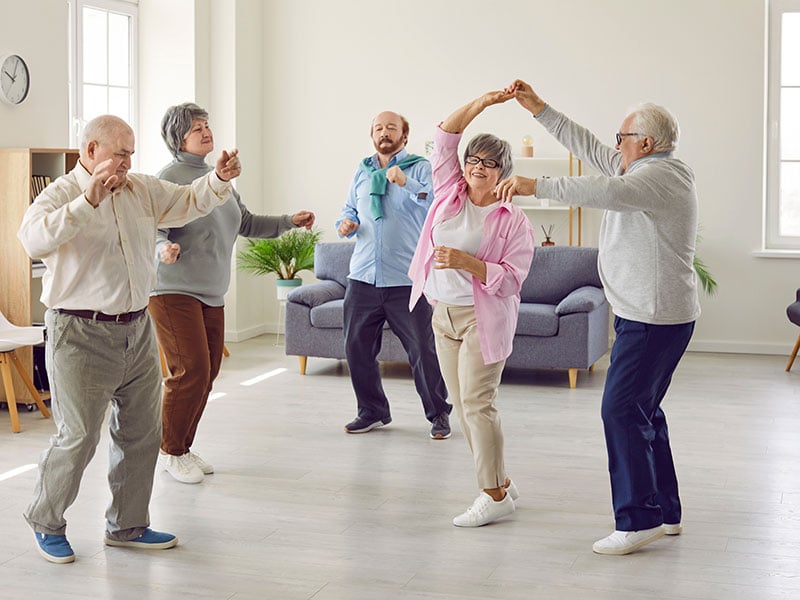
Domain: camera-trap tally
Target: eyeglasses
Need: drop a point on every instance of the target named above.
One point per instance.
(619, 136)
(489, 163)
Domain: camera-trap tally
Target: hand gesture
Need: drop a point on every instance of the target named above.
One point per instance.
(515, 186)
(170, 253)
(228, 165)
(496, 97)
(103, 180)
(525, 95)
(450, 258)
(346, 227)
(304, 218)
(395, 175)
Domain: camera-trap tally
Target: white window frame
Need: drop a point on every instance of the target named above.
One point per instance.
(129, 8)
(773, 240)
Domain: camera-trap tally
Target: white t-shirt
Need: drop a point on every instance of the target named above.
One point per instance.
(463, 231)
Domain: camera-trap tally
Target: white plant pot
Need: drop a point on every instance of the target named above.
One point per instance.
(284, 286)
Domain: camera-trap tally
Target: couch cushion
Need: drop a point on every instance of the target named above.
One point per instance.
(557, 270)
(328, 315)
(317, 293)
(584, 299)
(332, 261)
(537, 319)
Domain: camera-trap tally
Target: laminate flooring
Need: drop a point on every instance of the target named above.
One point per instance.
(297, 509)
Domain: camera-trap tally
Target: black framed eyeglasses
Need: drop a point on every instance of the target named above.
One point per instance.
(619, 136)
(489, 163)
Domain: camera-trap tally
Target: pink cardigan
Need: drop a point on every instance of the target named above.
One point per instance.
(506, 248)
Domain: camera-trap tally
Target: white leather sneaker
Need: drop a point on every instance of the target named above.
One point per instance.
(485, 510)
(512, 490)
(672, 528)
(206, 468)
(625, 542)
(182, 468)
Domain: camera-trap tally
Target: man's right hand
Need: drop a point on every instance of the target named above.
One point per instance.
(170, 253)
(346, 227)
(527, 98)
(102, 182)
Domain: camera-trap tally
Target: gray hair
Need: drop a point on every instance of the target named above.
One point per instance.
(657, 122)
(177, 122)
(491, 147)
(102, 129)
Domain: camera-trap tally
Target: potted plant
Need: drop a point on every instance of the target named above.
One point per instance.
(285, 256)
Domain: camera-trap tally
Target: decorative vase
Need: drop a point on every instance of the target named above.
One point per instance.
(548, 242)
(284, 286)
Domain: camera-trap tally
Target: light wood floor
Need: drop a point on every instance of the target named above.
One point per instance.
(298, 509)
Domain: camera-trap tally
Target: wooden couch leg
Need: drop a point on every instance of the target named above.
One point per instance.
(794, 355)
(573, 378)
(303, 361)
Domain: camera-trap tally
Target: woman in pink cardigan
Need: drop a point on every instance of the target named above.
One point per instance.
(472, 257)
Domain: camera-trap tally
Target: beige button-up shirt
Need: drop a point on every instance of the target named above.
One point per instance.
(102, 258)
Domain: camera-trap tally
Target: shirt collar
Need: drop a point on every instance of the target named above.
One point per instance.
(392, 161)
(194, 160)
(657, 155)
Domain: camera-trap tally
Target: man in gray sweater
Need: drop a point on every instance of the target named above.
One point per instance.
(646, 256)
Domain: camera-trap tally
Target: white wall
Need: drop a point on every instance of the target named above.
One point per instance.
(330, 66)
(43, 118)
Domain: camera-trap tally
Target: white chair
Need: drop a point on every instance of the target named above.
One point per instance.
(11, 338)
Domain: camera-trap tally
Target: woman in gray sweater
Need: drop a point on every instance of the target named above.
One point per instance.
(193, 269)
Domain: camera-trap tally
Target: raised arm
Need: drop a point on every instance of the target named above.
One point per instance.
(461, 117)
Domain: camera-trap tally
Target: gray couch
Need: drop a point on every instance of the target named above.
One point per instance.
(563, 318)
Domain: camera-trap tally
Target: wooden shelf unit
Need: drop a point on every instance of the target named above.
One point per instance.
(17, 299)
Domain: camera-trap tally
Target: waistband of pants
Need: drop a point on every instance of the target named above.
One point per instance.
(98, 316)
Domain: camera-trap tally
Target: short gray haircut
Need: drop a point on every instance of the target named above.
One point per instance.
(657, 122)
(102, 129)
(177, 122)
(492, 147)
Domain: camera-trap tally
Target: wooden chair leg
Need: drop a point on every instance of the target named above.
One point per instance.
(225, 350)
(794, 355)
(573, 378)
(26, 379)
(303, 361)
(11, 399)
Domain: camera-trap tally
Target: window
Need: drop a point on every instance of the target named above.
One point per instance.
(782, 223)
(102, 61)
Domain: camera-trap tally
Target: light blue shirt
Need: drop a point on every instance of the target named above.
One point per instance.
(384, 247)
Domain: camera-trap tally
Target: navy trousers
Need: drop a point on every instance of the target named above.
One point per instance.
(366, 309)
(644, 487)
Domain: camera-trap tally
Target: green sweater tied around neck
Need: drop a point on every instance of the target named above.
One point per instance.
(377, 178)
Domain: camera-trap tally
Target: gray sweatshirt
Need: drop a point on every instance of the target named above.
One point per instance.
(203, 270)
(648, 232)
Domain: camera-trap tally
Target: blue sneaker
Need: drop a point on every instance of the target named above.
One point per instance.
(54, 548)
(154, 540)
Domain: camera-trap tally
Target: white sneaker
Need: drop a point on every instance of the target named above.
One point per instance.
(182, 468)
(625, 542)
(485, 510)
(206, 468)
(672, 528)
(512, 490)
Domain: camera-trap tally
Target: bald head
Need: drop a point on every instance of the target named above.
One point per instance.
(108, 138)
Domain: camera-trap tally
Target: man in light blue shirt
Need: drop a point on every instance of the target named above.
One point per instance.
(386, 207)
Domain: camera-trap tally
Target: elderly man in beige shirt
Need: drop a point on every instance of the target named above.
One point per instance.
(95, 230)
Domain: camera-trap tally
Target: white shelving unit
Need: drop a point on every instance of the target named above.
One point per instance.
(551, 167)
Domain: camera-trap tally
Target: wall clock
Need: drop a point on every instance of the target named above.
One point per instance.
(15, 80)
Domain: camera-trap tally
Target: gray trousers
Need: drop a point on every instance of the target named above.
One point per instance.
(92, 364)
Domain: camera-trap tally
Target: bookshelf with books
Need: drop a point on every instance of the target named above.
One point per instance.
(24, 172)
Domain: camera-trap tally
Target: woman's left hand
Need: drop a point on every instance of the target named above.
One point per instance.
(451, 258)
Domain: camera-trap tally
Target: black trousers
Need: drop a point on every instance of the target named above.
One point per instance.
(366, 309)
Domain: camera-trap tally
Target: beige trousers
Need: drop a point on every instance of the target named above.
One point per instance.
(472, 388)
